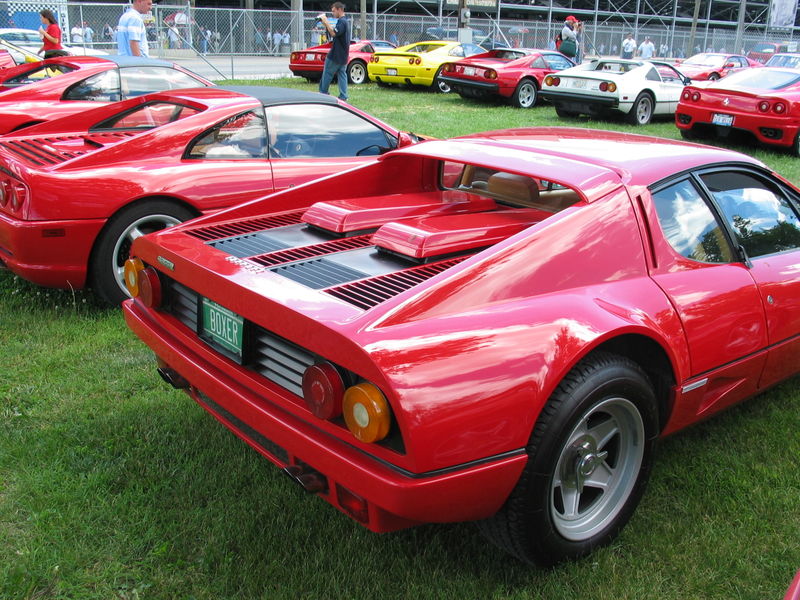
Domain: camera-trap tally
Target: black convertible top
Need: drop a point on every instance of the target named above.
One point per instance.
(277, 95)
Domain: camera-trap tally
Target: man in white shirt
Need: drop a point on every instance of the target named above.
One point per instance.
(77, 34)
(628, 46)
(647, 49)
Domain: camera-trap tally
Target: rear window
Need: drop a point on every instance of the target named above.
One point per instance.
(511, 189)
(761, 79)
(147, 116)
(37, 74)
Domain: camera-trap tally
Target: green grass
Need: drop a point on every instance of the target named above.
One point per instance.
(113, 486)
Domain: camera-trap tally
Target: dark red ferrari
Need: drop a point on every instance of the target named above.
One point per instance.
(308, 63)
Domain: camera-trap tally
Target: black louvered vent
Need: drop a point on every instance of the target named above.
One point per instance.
(319, 273)
(370, 292)
(306, 252)
(183, 304)
(279, 360)
(236, 228)
(250, 244)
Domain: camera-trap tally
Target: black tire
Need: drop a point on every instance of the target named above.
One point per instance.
(565, 114)
(357, 72)
(526, 94)
(440, 86)
(113, 244)
(591, 448)
(642, 110)
(714, 77)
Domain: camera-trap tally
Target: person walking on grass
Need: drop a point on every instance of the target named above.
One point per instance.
(336, 61)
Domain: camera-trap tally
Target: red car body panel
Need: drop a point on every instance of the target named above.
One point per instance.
(469, 343)
(87, 177)
(309, 62)
(739, 107)
(793, 593)
(43, 100)
(468, 75)
(728, 63)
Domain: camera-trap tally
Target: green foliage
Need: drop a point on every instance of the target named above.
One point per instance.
(113, 486)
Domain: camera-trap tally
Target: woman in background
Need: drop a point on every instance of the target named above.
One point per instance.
(51, 37)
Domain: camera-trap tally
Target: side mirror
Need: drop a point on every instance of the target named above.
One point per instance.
(406, 138)
(729, 65)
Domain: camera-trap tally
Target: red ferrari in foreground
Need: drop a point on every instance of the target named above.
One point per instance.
(501, 337)
(75, 193)
(33, 93)
(763, 102)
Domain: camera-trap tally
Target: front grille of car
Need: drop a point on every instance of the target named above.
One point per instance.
(236, 228)
(368, 293)
(54, 150)
(270, 355)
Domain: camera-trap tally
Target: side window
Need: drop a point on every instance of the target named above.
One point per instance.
(457, 51)
(762, 220)
(367, 48)
(37, 74)
(148, 116)
(538, 63)
(243, 136)
(143, 80)
(101, 87)
(652, 75)
(557, 62)
(689, 225)
(322, 131)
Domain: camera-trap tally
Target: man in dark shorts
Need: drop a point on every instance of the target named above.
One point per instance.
(336, 62)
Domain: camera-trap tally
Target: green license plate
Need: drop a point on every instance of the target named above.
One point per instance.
(223, 328)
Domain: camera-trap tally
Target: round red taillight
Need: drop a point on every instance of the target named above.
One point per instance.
(686, 95)
(149, 287)
(603, 86)
(554, 81)
(696, 97)
(375, 58)
(490, 74)
(449, 68)
(323, 390)
(779, 108)
(411, 60)
(417, 61)
(612, 87)
(763, 106)
(293, 57)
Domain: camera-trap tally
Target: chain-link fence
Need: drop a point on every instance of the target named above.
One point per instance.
(183, 30)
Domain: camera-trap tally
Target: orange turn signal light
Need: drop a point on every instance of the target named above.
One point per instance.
(366, 412)
(133, 266)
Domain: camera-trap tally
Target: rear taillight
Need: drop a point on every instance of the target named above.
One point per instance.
(294, 57)
(142, 282)
(13, 194)
(323, 390)
(695, 96)
(449, 68)
(763, 106)
(490, 74)
(552, 80)
(366, 412)
(374, 59)
(779, 108)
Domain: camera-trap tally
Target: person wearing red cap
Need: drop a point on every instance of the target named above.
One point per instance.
(569, 37)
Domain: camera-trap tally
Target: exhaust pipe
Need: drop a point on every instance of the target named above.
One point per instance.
(172, 377)
(310, 480)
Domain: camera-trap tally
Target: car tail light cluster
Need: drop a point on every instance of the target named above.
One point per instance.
(552, 80)
(490, 74)
(13, 193)
(294, 57)
(364, 407)
(414, 61)
(777, 107)
(692, 95)
(450, 68)
(608, 86)
(374, 59)
(142, 282)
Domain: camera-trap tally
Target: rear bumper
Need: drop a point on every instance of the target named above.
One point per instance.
(779, 131)
(307, 71)
(588, 105)
(48, 253)
(417, 78)
(393, 497)
(468, 85)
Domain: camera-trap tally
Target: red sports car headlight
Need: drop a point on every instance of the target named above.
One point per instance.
(366, 412)
(323, 390)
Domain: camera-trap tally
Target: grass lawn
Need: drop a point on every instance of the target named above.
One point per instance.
(113, 486)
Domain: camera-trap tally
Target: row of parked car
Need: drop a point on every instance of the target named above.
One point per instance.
(761, 102)
(496, 327)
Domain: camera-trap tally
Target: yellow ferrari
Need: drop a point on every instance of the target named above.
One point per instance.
(418, 64)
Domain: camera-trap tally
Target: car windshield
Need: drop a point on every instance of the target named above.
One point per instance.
(24, 38)
(784, 60)
(706, 60)
(760, 79)
(422, 48)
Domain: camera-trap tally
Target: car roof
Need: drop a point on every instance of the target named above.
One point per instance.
(592, 161)
(268, 95)
(137, 61)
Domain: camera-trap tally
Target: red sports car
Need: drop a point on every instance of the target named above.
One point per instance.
(763, 102)
(36, 92)
(308, 63)
(74, 193)
(513, 74)
(793, 593)
(502, 337)
(711, 66)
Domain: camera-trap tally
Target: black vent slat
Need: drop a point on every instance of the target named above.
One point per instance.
(368, 293)
(248, 245)
(280, 361)
(319, 273)
(43, 151)
(306, 252)
(224, 230)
